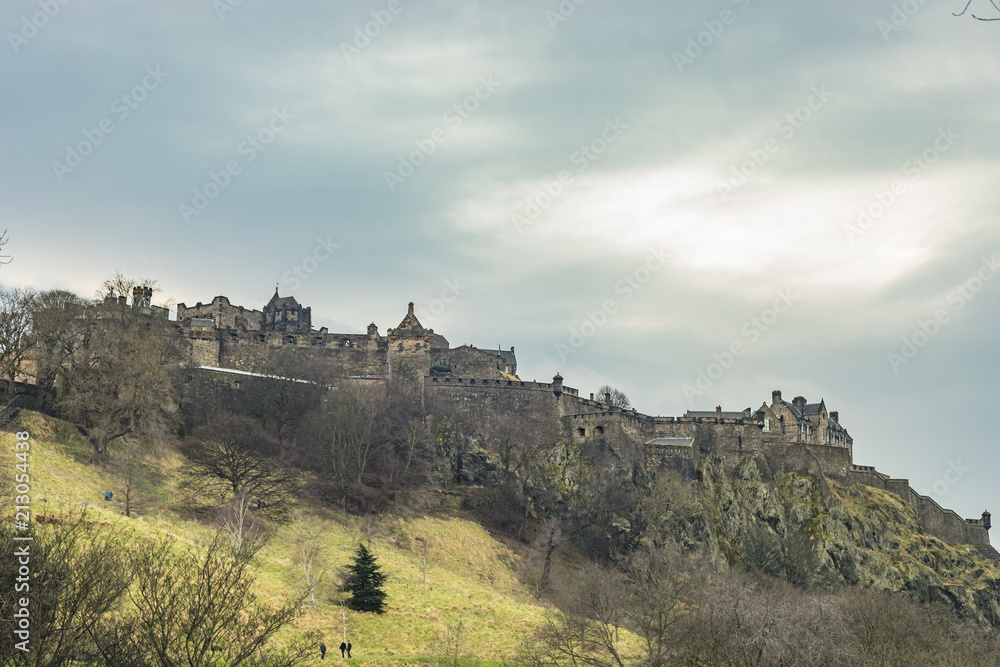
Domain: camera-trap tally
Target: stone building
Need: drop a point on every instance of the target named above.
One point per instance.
(220, 334)
(785, 436)
(283, 313)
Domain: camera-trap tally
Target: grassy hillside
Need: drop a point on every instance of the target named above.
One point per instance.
(472, 601)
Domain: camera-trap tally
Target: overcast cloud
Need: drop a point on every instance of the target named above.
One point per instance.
(693, 164)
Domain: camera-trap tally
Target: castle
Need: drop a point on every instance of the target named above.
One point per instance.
(786, 435)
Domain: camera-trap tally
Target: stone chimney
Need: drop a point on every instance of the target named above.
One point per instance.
(799, 402)
(775, 397)
(607, 397)
(835, 416)
(718, 412)
(409, 309)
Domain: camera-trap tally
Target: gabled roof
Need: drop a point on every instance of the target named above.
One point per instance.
(410, 323)
(508, 357)
(282, 301)
(813, 409)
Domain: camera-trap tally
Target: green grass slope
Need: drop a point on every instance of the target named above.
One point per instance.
(471, 604)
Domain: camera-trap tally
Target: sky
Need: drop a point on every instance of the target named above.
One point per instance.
(695, 202)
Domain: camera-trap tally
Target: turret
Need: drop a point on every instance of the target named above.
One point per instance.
(557, 383)
(986, 519)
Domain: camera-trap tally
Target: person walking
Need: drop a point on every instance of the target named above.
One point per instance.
(322, 651)
(348, 649)
(343, 647)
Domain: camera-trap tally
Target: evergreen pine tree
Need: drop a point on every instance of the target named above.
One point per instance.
(365, 582)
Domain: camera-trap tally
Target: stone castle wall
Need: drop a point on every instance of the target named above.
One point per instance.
(942, 523)
(475, 382)
(224, 314)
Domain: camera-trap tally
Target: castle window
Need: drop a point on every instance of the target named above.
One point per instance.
(582, 432)
(767, 424)
(317, 341)
(290, 340)
(599, 430)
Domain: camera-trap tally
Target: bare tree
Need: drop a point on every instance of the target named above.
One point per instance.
(118, 383)
(4, 259)
(17, 336)
(79, 576)
(129, 466)
(245, 531)
(980, 18)
(588, 631)
(199, 608)
(311, 559)
(232, 456)
(616, 398)
(52, 315)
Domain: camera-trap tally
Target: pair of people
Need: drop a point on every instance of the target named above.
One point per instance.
(344, 647)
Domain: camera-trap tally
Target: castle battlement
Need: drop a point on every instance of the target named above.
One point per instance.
(789, 435)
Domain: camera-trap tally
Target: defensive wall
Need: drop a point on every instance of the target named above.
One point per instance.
(792, 436)
(732, 440)
(942, 523)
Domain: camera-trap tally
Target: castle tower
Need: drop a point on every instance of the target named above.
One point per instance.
(142, 297)
(284, 313)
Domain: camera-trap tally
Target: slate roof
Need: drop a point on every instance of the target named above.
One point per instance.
(282, 302)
